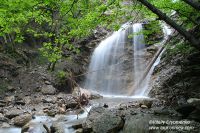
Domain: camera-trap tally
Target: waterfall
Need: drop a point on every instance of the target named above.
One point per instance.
(119, 64)
(105, 67)
(138, 56)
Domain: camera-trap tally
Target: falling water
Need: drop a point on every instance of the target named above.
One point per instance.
(105, 67)
(138, 56)
(142, 86)
(119, 66)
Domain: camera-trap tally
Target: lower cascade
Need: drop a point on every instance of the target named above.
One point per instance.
(118, 65)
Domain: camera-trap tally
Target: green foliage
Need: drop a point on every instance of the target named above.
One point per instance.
(185, 14)
(180, 48)
(153, 32)
(57, 22)
(52, 53)
(62, 74)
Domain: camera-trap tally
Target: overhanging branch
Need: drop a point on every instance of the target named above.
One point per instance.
(194, 42)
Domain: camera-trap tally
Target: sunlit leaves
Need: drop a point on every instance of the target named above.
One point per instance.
(53, 53)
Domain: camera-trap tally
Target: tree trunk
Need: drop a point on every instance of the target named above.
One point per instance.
(194, 42)
(192, 3)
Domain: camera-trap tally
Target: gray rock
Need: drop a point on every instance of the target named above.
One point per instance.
(142, 122)
(22, 119)
(33, 128)
(27, 99)
(9, 99)
(57, 128)
(146, 102)
(101, 121)
(95, 95)
(107, 123)
(20, 102)
(144, 107)
(93, 114)
(80, 130)
(11, 88)
(3, 119)
(5, 125)
(71, 103)
(48, 90)
(50, 111)
(13, 113)
(137, 123)
(47, 82)
(48, 100)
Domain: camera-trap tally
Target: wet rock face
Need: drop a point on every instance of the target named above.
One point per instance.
(176, 79)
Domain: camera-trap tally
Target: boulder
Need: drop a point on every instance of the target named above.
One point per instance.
(107, 123)
(22, 120)
(137, 123)
(93, 114)
(101, 120)
(48, 90)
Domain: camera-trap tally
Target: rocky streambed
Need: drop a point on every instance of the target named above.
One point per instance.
(63, 113)
(44, 111)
